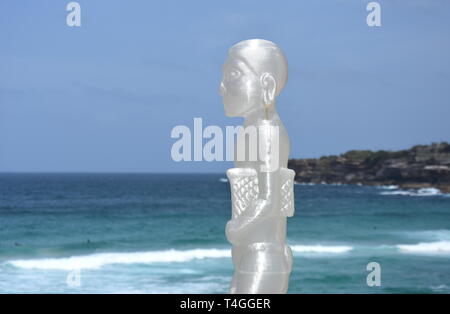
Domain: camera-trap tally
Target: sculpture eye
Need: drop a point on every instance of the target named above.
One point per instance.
(234, 73)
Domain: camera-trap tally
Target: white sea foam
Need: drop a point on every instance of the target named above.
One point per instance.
(321, 249)
(96, 261)
(428, 192)
(440, 288)
(440, 247)
(420, 192)
(321, 183)
(388, 187)
(400, 192)
(223, 180)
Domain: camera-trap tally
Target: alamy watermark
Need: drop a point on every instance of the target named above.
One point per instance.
(374, 277)
(374, 17)
(73, 279)
(254, 144)
(74, 16)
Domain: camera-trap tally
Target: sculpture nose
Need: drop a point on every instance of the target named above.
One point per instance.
(222, 89)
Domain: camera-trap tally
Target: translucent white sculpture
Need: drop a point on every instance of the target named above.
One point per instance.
(254, 73)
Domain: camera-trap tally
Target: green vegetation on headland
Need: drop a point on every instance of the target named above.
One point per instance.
(419, 167)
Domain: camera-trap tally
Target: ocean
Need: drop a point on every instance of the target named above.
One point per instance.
(164, 233)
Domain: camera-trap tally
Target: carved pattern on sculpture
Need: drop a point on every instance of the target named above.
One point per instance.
(244, 189)
(287, 192)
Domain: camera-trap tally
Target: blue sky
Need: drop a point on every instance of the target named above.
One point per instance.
(104, 97)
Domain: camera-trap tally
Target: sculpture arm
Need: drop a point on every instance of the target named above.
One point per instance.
(268, 185)
(269, 167)
(263, 206)
(237, 228)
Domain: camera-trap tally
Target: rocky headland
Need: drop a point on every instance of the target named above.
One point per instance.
(422, 166)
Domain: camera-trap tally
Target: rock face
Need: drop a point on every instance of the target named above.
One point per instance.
(418, 167)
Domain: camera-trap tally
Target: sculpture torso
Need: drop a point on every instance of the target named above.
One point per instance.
(273, 227)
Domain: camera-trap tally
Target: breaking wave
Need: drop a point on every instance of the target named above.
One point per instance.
(96, 261)
(388, 187)
(440, 247)
(321, 249)
(420, 192)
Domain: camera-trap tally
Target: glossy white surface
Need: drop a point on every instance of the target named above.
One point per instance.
(254, 74)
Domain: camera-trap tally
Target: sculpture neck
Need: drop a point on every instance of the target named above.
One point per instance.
(262, 113)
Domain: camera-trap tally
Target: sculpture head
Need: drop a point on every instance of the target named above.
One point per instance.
(254, 74)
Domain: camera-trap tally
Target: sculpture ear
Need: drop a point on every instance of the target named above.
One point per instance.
(269, 85)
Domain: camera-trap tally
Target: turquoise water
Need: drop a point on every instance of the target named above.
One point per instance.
(154, 233)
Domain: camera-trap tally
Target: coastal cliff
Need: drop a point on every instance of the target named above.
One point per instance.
(421, 166)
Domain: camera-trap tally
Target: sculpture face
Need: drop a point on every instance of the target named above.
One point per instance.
(254, 73)
(240, 88)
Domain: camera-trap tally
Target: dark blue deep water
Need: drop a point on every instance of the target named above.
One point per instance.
(154, 233)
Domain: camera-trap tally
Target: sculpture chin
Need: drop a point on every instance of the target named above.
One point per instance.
(230, 114)
(230, 111)
(233, 114)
